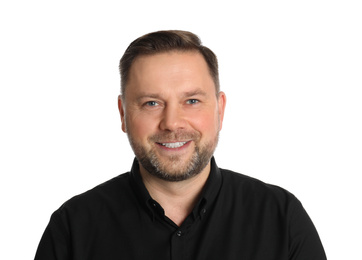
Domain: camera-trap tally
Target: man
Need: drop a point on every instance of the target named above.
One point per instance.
(175, 203)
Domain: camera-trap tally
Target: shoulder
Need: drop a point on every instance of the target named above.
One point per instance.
(239, 180)
(92, 210)
(112, 192)
(256, 192)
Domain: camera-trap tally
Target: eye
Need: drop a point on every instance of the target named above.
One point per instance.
(151, 103)
(192, 101)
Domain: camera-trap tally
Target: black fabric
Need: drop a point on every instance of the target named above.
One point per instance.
(237, 217)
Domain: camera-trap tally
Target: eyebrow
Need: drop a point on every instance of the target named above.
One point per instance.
(186, 94)
(197, 92)
(147, 95)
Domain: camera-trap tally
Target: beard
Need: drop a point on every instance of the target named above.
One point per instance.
(174, 168)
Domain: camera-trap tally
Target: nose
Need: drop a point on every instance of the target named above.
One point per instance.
(173, 118)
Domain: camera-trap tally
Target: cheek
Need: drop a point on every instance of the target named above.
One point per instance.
(140, 126)
(206, 123)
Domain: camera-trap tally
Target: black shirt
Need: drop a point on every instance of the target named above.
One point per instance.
(237, 217)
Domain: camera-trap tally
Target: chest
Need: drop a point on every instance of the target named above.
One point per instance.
(210, 235)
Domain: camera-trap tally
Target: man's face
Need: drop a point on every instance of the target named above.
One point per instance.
(172, 114)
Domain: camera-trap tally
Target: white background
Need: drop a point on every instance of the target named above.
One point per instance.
(291, 71)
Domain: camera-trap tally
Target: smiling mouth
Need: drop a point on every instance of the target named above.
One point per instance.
(173, 145)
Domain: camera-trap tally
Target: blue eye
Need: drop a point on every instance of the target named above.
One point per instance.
(151, 103)
(192, 101)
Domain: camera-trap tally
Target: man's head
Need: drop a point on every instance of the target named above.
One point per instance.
(170, 108)
(166, 41)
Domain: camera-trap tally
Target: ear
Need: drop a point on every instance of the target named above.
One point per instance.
(221, 104)
(121, 112)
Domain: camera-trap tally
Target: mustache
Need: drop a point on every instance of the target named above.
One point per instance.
(180, 135)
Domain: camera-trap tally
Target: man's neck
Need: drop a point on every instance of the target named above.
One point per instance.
(177, 198)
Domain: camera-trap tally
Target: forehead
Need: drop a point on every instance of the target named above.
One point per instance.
(169, 69)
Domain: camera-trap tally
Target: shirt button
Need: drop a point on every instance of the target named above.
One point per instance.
(179, 233)
(203, 211)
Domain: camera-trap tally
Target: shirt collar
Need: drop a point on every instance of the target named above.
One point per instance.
(208, 195)
(137, 183)
(210, 191)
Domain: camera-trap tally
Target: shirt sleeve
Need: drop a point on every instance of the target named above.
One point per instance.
(304, 239)
(55, 242)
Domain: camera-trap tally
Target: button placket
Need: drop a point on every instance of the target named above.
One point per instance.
(178, 245)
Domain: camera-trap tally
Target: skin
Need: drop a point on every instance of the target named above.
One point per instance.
(171, 98)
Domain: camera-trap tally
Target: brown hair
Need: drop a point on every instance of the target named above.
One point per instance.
(164, 41)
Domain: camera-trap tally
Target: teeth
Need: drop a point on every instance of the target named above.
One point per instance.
(174, 145)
